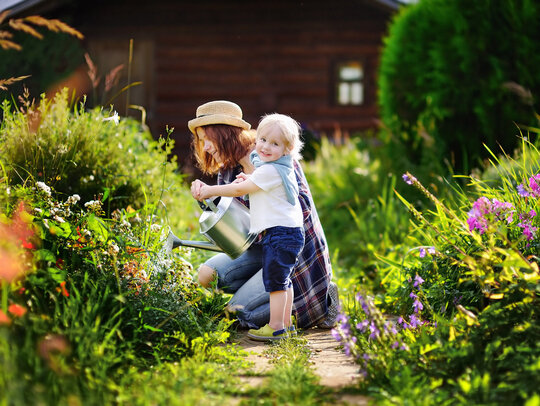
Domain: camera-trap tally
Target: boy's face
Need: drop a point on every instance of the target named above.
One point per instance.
(271, 144)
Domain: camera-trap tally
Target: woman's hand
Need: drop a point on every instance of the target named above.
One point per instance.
(196, 187)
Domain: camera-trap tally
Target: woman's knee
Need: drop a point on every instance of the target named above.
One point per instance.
(206, 275)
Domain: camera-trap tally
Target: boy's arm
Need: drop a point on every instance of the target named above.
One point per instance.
(231, 190)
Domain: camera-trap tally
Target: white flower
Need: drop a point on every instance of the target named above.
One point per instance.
(155, 228)
(93, 205)
(113, 249)
(44, 188)
(115, 117)
(73, 199)
(59, 219)
(38, 210)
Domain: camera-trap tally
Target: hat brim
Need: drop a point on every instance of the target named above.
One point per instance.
(217, 119)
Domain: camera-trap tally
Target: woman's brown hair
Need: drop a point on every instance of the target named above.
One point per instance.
(232, 144)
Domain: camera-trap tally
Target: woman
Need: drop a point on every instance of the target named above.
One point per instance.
(222, 144)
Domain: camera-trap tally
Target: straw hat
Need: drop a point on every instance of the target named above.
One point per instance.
(218, 112)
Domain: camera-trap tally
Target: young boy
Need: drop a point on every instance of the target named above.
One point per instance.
(275, 214)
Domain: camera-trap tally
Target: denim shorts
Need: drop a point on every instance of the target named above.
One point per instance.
(281, 247)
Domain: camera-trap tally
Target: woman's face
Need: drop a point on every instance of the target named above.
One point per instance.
(208, 145)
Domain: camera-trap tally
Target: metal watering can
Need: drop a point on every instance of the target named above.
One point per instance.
(225, 224)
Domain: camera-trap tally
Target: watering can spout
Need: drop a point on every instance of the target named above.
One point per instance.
(225, 224)
(174, 242)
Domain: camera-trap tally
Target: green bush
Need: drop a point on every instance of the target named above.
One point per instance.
(463, 73)
(96, 296)
(462, 305)
(91, 153)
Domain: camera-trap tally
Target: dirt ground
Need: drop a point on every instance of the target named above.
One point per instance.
(328, 361)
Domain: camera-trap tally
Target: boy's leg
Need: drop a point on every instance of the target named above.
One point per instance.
(288, 307)
(278, 304)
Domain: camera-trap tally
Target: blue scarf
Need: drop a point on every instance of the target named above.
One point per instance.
(284, 166)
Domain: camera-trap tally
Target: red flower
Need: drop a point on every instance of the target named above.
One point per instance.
(63, 289)
(4, 319)
(17, 310)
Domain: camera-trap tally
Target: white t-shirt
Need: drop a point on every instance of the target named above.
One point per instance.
(269, 206)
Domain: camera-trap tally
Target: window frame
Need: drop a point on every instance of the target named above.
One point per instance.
(337, 81)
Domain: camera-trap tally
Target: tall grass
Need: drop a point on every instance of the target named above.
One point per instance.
(361, 216)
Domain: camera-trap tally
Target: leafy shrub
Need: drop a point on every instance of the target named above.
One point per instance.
(91, 153)
(466, 296)
(452, 69)
(97, 295)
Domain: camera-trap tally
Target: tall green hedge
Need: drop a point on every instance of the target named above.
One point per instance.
(449, 71)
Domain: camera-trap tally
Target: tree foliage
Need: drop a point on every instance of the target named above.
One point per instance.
(463, 73)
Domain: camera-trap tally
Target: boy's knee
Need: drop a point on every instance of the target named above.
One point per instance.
(206, 275)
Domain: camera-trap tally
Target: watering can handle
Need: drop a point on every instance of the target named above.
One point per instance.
(208, 203)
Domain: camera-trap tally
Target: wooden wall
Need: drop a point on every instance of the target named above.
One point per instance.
(267, 56)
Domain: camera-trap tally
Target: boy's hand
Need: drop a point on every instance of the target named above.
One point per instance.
(241, 177)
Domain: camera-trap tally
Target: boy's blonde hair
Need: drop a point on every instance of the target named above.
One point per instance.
(289, 128)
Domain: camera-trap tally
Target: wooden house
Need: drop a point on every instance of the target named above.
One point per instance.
(315, 60)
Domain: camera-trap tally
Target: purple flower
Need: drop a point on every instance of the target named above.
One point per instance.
(417, 306)
(347, 349)
(533, 184)
(484, 212)
(415, 321)
(422, 252)
(418, 281)
(533, 189)
(529, 231)
(521, 191)
(408, 179)
(374, 331)
(362, 325)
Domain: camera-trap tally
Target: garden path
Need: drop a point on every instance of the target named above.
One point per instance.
(334, 368)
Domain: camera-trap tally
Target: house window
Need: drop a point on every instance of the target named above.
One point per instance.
(350, 84)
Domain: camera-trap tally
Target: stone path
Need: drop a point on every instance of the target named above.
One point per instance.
(328, 361)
